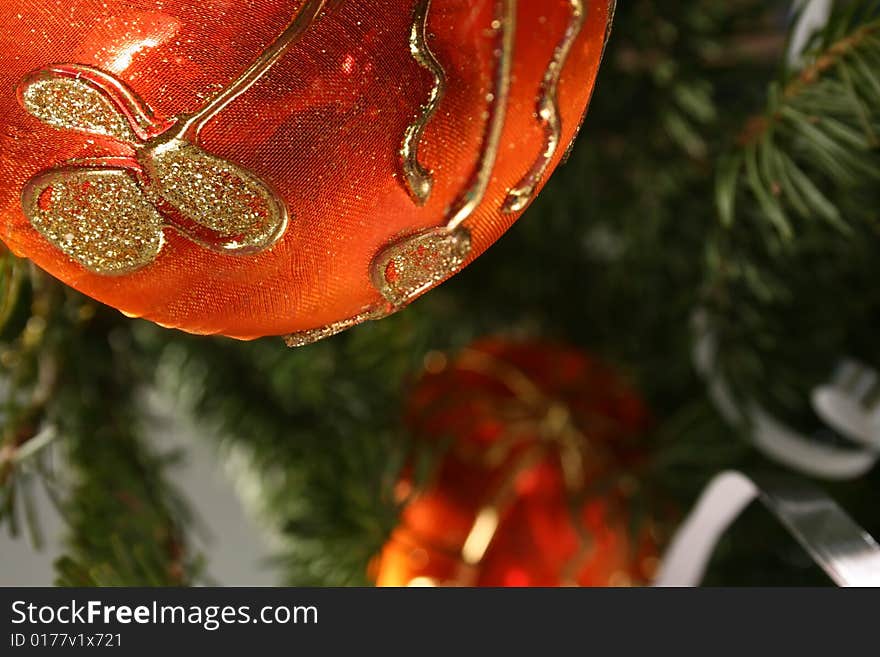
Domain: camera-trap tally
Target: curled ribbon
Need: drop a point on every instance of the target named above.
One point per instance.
(848, 554)
(849, 403)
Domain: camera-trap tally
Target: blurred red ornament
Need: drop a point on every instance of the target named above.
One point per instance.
(280, 166)
(535, 488)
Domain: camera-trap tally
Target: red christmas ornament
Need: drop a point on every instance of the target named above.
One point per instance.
(534, 489)
(280, 166)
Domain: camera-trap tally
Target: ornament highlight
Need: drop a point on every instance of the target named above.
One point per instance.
(289, 167)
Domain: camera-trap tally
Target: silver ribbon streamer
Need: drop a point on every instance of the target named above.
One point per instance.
(848, 403)
(814, 15)
(849, 555)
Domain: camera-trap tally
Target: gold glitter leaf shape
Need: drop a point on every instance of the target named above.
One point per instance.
(413, 265)
(240, 212)
(96, 216)
(73, 104)
(401, 272)
(85, 99)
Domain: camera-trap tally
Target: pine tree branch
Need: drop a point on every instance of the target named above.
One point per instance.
(127, 523)
(312, 434)
(69, 386)
(817, 140)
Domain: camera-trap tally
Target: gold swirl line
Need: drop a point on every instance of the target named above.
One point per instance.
(310, 336)
(505, 23)
(309, 14)
(419, 180)
(548, 113)
(452, 236)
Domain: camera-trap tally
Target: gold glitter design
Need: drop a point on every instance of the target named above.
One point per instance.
(214, 193)
(310, 336)
(407, 268)
(505, 24)
(401, 272)
(74, 104)
(413, 265)
(548, 113)
(97, 217)
(216, 203)
(419, 180)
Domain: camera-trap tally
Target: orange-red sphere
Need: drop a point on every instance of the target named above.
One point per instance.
(280, 166)
(535, 488)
